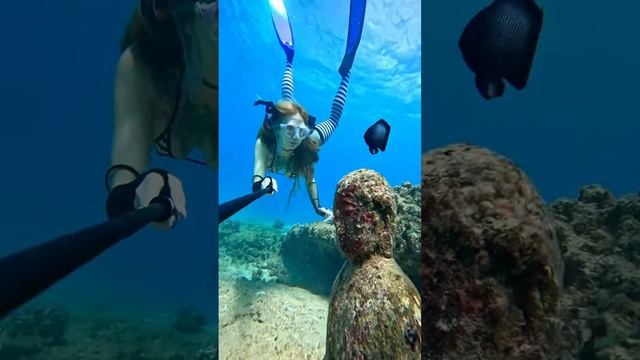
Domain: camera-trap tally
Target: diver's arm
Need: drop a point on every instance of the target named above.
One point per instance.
(312, 189)
(327, 127)
(260, 159)
(132, 133)
(259, 164)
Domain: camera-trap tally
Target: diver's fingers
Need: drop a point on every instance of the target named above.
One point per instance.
(177, 195)
(270, 182)
(148, 189)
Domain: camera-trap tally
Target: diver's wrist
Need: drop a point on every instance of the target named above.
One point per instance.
(316, 206)
(256, 182)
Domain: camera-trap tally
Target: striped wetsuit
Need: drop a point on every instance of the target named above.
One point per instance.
(327, 127)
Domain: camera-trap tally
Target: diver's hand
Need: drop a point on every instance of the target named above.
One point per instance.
(326, 214)
(265, 183)
(151, 187)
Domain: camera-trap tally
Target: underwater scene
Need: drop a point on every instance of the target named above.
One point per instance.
(319, 164)
(531, 202)
(151, 296)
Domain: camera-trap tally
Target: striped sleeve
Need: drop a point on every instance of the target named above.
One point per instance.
(327, 127)
(286, 88)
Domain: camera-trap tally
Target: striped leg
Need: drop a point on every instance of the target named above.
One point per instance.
(327, 127)
(286, 88)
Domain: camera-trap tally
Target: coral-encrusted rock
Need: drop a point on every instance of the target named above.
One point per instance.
(600, 239)
(374, 312)
(313, 259)
(33, 329)
(492, 268)
(407, 241)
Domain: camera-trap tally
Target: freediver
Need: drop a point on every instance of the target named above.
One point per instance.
(165, 97)
(289, 140)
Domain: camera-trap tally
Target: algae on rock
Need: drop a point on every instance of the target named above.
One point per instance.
(374, 311)
(491, 266)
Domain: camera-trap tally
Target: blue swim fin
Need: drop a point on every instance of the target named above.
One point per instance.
(283, 27)
(356, 23)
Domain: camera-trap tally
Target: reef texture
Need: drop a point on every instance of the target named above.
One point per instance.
(251, 251)
(313, 259)
(374, 311)
(39, 332)
(600, 240)
(492, 268)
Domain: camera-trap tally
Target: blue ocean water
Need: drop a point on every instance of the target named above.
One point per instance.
(385, 83)
(576, 121)
(58, 67)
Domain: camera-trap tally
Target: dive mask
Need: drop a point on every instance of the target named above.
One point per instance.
(270, 115)
(295, 130)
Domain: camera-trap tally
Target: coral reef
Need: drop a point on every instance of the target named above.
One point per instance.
(250, 251)
(495, 285)
(374, 311)
(492, 269)
(312, 257)
(53, 333)
(278, 224)
(407, 240)
(32, 330)
(600, 239)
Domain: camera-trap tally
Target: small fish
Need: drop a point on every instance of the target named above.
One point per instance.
(500, 43)
(377, 136)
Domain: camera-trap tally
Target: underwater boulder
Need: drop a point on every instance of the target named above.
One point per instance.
(491, 267)
(600, 307)
(374, 310)
(312, 257)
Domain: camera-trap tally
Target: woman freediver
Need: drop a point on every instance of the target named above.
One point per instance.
(289, 139)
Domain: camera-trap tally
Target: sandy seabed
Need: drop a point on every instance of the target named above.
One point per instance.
(270, 321)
